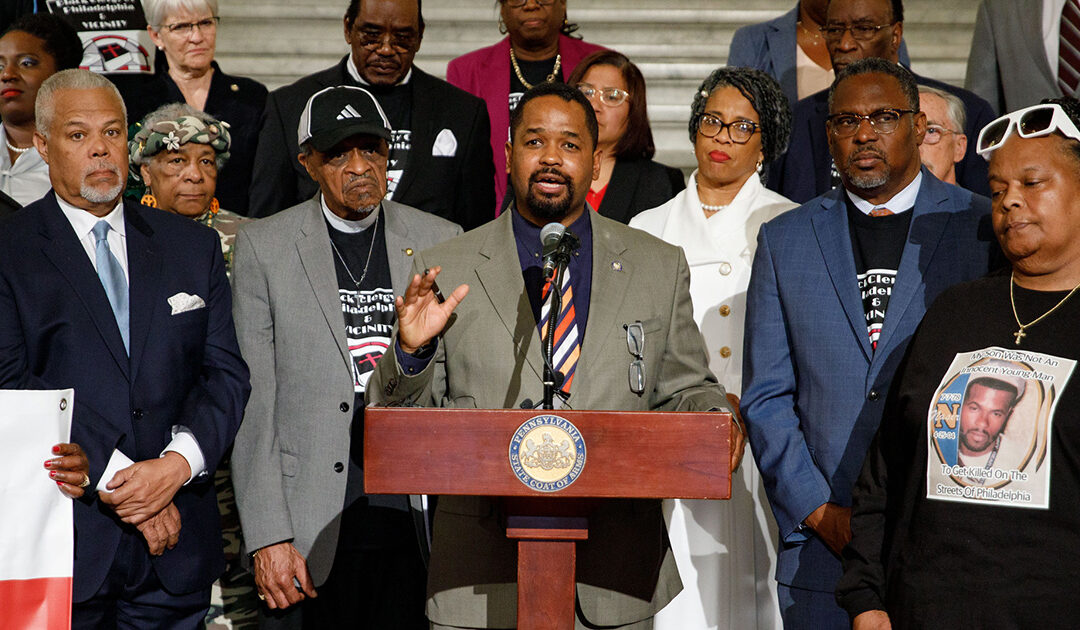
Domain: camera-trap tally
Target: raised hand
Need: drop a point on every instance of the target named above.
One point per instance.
(421, 315)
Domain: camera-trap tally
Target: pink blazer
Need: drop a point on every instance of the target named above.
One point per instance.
(486, 73)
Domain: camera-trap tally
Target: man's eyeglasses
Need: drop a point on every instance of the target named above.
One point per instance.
(1030, 122)
(517, 4)
(861, 32)
(882, 121)
(635, 344)
(186, 28)
(740, 131)
(610, 96)
(934, 134)
(402, 41)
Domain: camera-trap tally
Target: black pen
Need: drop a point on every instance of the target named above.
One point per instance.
(435, 289)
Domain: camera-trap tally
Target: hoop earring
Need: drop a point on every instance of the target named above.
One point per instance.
(148, 199)
(502, 27)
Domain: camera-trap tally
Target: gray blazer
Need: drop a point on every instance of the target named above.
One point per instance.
(297, 422)
(490, 357)
(1008, 65)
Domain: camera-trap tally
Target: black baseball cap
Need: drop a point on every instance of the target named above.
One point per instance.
(336, 113)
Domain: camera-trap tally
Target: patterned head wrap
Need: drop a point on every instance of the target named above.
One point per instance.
(168, 135)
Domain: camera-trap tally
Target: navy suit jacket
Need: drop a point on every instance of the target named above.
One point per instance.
(57, 330)
(805, 171)
(813, 387)
(770, 47)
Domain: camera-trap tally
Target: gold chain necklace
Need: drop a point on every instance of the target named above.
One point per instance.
(1020, 334)
(521, 77)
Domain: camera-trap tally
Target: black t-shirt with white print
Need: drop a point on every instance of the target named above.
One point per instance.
(368, 316)
(877, 243)
(396, 101)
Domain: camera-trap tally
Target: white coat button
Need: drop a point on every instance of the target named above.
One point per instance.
(725, 268)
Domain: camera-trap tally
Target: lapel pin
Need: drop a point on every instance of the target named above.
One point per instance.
(408, 251)
(234, 87)
(616, 266)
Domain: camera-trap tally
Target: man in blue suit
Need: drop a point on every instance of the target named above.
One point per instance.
(837, 289)
(129, 306)
(860, 29)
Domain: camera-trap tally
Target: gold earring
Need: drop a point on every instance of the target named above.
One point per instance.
(148, 199)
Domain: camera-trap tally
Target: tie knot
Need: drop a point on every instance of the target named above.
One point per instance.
(880, 212)
(101, 230)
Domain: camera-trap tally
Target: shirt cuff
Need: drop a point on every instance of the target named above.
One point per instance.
(117, 462)
(412, 364)
(184, 443)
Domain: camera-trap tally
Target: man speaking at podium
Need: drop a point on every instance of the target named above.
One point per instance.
(625, 340)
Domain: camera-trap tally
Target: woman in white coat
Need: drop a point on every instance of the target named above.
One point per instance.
(740, 121)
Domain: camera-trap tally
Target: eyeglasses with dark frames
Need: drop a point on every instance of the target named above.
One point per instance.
(861, 32)
(847, 124)
(610, 96)
(740, 131)
(635, 344)
(401, 41)
(186, 28)
(517, 4)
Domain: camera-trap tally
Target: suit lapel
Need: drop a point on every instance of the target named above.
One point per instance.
(317, 259)
(928, 221)
(69, 256)
(1032, 36)
(144, 273)
(500, 277)
(782, 44)
(609, 290)
(422, 122)
(399, 254)
(834, 238)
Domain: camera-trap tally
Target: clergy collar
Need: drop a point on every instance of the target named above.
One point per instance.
(350, 65)
(345, 225)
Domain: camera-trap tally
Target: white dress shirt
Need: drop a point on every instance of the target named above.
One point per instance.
(900, 202)
(183, 440)
(27, 180)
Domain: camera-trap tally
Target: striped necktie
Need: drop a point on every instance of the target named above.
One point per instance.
(881, 212)
(1069, 48)
(567, 340)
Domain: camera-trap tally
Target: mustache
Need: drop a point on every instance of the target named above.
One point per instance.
(867, 151)
(100, 165)
(550, 171)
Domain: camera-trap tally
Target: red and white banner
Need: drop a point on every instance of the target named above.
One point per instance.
(36, 529)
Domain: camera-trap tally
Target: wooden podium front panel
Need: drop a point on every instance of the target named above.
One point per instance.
(411, 450)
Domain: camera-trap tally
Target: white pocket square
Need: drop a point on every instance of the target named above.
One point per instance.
(182, 303)
(445, 144)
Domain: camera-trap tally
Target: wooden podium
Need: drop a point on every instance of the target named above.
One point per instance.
(645, 455)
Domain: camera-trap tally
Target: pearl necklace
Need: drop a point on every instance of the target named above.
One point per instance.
(707, 208)
(15, 149)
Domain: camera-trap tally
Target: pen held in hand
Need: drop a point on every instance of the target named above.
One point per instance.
(435, 289)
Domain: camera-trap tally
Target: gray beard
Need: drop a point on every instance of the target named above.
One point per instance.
(868, 181)
(95, 195)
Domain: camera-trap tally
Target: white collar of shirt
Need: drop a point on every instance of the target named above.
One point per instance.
(355, 74)
(900, 202)
(345, 225)
(83, 223)
(1051, 31)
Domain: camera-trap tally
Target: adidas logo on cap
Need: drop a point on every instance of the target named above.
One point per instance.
(348, 112)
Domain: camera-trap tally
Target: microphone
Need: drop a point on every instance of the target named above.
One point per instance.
(551, 237)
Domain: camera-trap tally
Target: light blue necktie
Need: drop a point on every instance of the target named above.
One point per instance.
(112, 278)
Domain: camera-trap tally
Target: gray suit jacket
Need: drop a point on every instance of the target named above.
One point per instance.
(1008, 65)
(490, 357)
(297, 422)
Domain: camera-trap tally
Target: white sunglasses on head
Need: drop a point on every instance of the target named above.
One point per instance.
(1030, 122)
